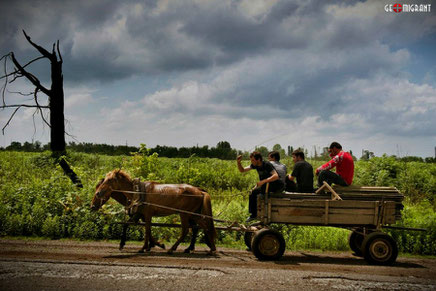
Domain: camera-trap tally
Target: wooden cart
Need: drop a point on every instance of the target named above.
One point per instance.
(363, 210)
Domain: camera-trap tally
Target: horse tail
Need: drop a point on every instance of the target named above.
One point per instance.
(207, 210)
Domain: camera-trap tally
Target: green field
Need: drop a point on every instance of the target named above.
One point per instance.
(38, 200)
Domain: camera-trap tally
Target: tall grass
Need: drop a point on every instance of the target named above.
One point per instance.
(37, 199)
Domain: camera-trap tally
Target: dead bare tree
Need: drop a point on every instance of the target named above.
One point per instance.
(54, 103)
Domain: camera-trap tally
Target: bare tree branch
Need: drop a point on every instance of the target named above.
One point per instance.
(10, 118)
(16, 76)
(59, 53)
(16, 72)
(25, 105)
(42, 50)
(6, 80)
(35, 95)
(21, 93)
(29, 76)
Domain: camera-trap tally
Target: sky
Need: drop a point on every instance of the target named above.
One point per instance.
(250, 72)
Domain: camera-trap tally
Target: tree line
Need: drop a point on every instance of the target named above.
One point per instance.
(222, 150)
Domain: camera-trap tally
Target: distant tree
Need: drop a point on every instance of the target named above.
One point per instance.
(325, 154)
(279, 149)
(412, 159)
(263, 150)
(14, 146)
(366, 155)
(223, 145)
(430, 160)
(315, 153)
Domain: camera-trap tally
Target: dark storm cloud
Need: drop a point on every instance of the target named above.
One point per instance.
(183, 36)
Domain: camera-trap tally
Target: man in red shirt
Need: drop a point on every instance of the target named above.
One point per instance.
(343, 161)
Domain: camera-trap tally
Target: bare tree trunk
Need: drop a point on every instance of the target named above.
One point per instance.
(56, 104)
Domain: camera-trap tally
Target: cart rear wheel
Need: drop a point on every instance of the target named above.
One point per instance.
(248, 238)
(268, 244)
(379, 249)
(355, 240)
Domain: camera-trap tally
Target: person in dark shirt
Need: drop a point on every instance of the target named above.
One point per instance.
(267, 174)
(303, 172)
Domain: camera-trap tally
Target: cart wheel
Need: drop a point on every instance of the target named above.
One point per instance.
(379, 249)
(268, 244)
(355, 241)
(248, 238)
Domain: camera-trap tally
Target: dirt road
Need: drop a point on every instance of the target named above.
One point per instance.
(67, 265)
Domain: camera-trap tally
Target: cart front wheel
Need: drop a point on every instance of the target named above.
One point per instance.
(379, 249)
(355, 241)
(268, 244)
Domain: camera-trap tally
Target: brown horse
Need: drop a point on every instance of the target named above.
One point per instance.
(160, 200)
(126, 201)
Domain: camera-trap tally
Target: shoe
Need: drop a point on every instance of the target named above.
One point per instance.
(250, 219)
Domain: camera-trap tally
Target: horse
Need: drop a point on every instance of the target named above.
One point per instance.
(191, 203)
(126, 201)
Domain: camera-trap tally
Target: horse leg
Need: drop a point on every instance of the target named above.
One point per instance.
(133, 218)
(123, 236)
(154, 243)
(209, 236)
(185, 229)
(211, 242)
(147, 234)
(191, 247)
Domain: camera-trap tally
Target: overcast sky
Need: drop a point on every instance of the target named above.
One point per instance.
(250, 72)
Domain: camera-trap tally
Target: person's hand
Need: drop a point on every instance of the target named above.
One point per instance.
(239, 158)
(260, 183)
(317, 172)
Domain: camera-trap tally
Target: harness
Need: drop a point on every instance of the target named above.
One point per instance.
(137, 200)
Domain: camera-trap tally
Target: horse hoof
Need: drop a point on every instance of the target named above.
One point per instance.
(212, 253)
(188, 251)
(141, 251)
(170, 251)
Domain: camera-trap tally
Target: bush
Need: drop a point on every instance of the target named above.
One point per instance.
(51, 227)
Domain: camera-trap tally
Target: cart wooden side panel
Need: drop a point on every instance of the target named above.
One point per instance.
(327, 212)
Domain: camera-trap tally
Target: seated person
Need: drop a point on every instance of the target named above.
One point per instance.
(343, 161)
(303, 172)
(267, 174)
(274, 159)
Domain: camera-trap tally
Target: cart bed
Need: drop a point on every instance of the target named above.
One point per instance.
(361, 206)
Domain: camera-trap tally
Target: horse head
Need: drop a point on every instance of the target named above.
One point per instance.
(115, 180)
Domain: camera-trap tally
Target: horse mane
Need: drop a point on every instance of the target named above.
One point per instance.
(119, 174)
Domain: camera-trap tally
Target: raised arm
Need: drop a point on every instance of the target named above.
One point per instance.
(240, 168)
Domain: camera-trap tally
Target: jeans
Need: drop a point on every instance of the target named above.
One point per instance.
(330, 178)
(252, 199)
